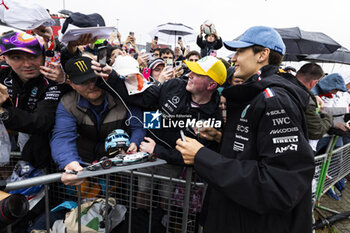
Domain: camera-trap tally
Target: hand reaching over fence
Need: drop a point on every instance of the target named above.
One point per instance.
(69, 177)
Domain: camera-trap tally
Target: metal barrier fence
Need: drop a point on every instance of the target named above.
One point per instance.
(338, 167)
(170, 196)
(176, 198)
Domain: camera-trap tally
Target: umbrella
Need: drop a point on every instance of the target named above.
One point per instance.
(169, 33)
(300, 42)
(341, 55)
(65, 12)
(293, 57)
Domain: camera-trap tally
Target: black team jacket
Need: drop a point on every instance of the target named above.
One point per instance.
(261, 179)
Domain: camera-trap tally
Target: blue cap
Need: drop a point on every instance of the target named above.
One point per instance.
(330, 82)
(258, 35)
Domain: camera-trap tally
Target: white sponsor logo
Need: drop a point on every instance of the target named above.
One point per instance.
(237, 146)
(166, 105)
(171, 103)
(293, 147)
(285, 139)
(281, 121)
(243, 129)
(53, 88)
(275, 112)
(241, 137)
(52, 95)
(8, 82)
(175, 100)
(284, 130)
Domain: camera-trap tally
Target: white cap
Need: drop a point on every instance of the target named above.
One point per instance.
(24, 15)
(125, 65)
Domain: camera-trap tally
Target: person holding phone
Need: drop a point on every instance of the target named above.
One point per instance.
(130, 44)
(154, 44)
(178, 55)
(84, 118)
(28, 98)
(196, 99)
(28, 101)
(159, 72)
(181, 44)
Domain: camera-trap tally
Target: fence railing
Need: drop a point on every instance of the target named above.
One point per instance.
(121, 183)
(175, 198)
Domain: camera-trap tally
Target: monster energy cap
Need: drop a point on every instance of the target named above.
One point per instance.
(79, 70)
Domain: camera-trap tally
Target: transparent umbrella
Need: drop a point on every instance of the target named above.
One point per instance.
(169, 33)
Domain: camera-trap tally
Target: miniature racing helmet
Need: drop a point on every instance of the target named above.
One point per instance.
(117, 141)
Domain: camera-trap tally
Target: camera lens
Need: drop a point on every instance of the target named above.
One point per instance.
(12, 208)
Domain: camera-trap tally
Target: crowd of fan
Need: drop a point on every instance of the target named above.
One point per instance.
(64, 112)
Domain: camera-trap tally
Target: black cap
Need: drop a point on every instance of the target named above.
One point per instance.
(81, 20)
(79, 70)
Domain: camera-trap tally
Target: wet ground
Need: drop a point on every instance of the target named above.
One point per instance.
(342, 205)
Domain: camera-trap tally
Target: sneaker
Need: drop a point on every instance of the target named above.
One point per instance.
(340, 185)
(332, 194)
(165, 220)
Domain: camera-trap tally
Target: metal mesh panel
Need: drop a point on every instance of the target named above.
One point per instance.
(339, 166)
(124, 187)
(319, 160)
(5, 171)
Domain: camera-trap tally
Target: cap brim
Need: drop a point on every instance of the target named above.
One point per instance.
(194, 67)
(157, 64)
(236, 44)
(82, 78)
(126, 72)
(20, 49)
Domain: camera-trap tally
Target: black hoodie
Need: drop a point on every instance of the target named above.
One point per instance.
(261, 180)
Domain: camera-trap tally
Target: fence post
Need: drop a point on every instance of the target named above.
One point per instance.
(79, 208)
(186, 199)
(107, 203)
(324, 170)
(150, 206)
(47, 211)
(130, 199)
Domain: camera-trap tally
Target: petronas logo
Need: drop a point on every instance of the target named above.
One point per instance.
(245, 111)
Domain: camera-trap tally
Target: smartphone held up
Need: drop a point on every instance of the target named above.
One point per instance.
(169, 64)
(178, 63)
(51, 57)
(102, 55)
